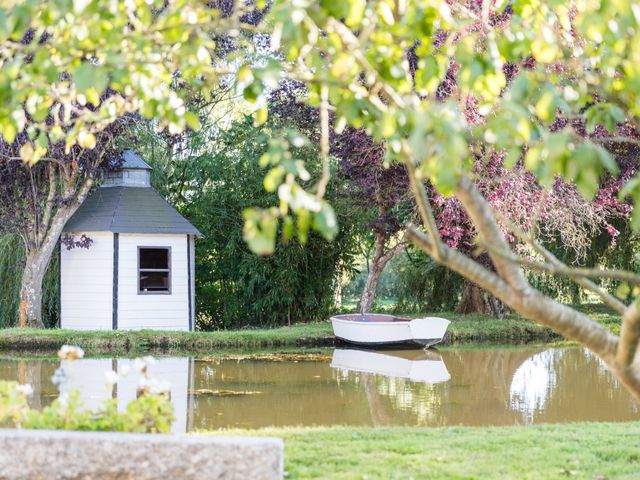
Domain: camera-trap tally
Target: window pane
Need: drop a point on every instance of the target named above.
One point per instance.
(154, 281)
(154, 258)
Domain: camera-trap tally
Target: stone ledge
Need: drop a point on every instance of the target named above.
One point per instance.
(46, 454)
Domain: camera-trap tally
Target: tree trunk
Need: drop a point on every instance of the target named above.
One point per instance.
(37, 262)
(31, 293)
(375, 270)
(476, 300)
(378, 262)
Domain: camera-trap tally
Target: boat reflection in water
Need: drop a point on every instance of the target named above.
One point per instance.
(415, 365)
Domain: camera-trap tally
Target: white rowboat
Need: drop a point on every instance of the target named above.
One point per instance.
(378, 329)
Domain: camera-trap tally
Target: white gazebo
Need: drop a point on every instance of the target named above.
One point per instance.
(138, 272)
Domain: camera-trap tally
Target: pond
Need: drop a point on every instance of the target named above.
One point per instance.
(496, 386)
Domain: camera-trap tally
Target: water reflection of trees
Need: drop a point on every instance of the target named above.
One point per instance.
(492, 386)
(502, 387)
(580, 388)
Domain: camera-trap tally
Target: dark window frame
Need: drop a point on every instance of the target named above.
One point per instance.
(168, 270)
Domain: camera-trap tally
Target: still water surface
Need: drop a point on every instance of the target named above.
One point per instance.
(352, 387)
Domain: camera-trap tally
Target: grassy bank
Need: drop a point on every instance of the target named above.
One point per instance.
(580, 451)
(463, 329)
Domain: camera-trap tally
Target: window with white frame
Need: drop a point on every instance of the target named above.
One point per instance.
(154, 270)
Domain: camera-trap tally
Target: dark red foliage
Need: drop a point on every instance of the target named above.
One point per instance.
(370, 183)
(70, 242)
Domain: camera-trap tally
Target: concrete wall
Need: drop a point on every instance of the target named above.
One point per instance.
(86, 284)
(154, 311)
(52, 455)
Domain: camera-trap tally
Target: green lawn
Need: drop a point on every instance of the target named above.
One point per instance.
(581, 451)
(463, 329)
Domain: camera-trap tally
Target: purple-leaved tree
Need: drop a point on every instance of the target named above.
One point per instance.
(378, 191)
(37, 200)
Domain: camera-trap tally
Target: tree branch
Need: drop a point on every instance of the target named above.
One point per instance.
(51, 195)
(529, 303)
(629, 336)
(424, 206)
(324, 141)
(574, 274)
(483, 218)
(456, 261)
(556, 263)
(393, 251)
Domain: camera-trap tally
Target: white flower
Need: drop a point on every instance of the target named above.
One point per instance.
(138, 365)
(58, 376)
(111, 377)
(25, 389)
(153, 386)
(70, 352)
(160, 386)
(149, 360)
(124, 370)
(63, 399)
(141, 364)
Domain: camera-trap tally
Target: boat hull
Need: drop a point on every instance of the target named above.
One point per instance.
(426, 342)
(386, 330)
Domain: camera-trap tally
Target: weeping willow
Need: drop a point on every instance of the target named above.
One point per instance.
(11, 265)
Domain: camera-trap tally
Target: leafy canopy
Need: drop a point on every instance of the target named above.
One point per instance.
(70, 68)
(547, 81)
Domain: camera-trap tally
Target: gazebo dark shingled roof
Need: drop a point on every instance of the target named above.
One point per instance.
(122, 209)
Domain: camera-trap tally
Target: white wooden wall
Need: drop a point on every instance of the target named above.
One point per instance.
(152, 311)
(86, 284)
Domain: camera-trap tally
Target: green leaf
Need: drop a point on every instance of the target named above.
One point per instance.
(252, 92)
(356, 12)
(260, 229)
(388, 125)
(87, 75)
(326, 222)
(632, 189)
(8, 130)
(287, 228)
(260, 116)
(385, 12)
(546, 107)
(303, 222)
(86, 140)
(192, 120)
(273, 179)
(623, 291)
